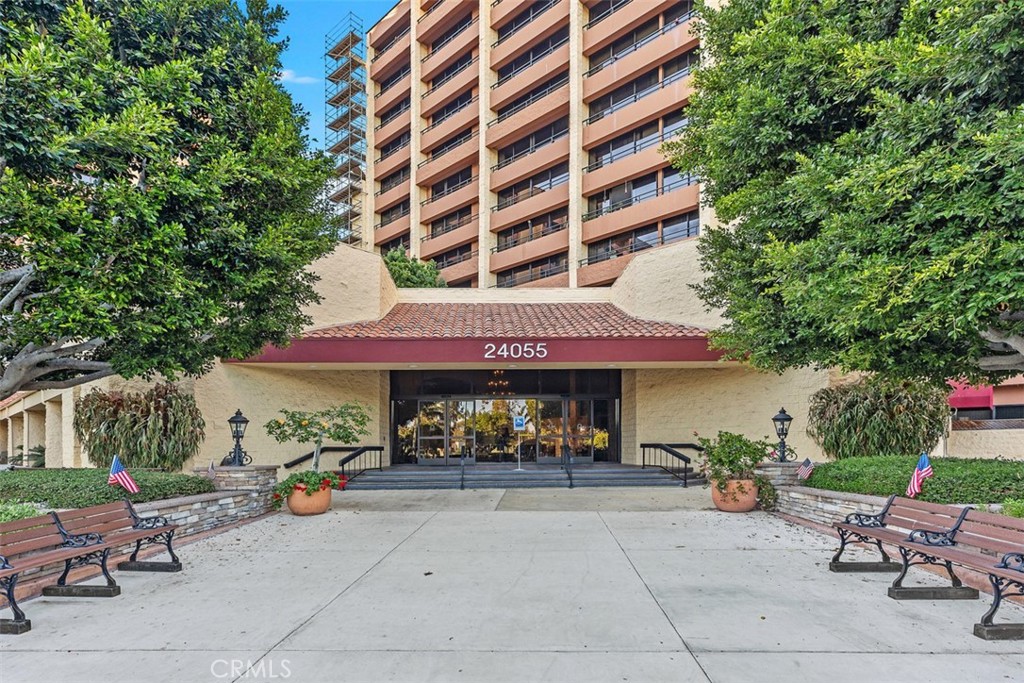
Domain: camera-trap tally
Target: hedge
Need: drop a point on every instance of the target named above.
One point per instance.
(966, 481)
(76, 488)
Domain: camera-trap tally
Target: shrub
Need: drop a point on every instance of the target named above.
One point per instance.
(876, 417)
(75, 488)
(1014, 507)
(955, 480)
(12, 511)
(160, 428)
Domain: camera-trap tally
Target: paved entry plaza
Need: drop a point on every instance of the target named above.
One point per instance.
(551, 585)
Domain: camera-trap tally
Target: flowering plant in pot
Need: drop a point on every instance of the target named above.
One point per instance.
(729, 462)
(343, 423)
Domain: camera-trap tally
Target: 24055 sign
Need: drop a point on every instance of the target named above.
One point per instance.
(515, 350)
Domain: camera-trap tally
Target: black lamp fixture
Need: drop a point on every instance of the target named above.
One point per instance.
(238, 423)
(782, 420)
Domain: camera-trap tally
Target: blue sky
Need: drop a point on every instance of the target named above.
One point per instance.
(307, 24)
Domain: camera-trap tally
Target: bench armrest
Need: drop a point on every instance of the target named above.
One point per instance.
(150, 522)
(82, 540)
(1014, 561)
(4, 564)
(865, 520)
(936, 538)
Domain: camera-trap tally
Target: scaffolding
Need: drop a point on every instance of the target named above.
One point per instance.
(345, 120)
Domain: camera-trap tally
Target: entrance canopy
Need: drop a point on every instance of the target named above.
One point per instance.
(482, 334)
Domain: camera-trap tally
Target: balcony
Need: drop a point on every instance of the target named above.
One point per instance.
(386, 132)
(530, 77)
(602, 273)
(385, 166)
(437, 167)
(667, 96)
(433, 99)
(391, 196)
(456, 198)
(385, 29)
(397, 55)
(512, 126)
(463, 233)
(386, 233)
(542, 26)
(627, 17)
(541, 157)
(386, 99)
(553, 276)
(460, 269)
(672, 41)
(648, 159)
(439, 18)
(642, 210)
(532, 204)
(502, 11)
(531, 250)
(442, 56)
(435, 134)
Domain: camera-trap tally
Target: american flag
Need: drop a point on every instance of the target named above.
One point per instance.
(921, 472)
(805, 469)
(119, 476)
(210, 474)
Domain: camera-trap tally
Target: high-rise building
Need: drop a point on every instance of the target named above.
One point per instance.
(518, 143)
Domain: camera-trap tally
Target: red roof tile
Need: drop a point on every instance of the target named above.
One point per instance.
(448, 320)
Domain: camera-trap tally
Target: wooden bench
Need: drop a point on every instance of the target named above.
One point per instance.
(119, 524)
(27, 544)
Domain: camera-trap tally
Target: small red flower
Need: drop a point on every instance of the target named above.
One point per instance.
(277, 496)
(300, 487)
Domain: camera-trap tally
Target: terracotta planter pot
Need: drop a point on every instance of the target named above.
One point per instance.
(317, 504)
(740, 495)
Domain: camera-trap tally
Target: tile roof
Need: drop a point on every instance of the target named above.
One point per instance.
(560, 320)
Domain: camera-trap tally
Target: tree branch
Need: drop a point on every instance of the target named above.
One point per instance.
(15, 274)
(1014, 341)
(18, 288)
(997, 363)
(67, 383)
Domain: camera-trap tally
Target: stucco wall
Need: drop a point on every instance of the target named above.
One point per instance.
(673, 403)
(986, 443)
(354, 285)
(261, 392)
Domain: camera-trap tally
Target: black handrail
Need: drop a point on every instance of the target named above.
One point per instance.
(567, 461)
(358, 452)
(661, 454)
(325, 449)
(462, 464)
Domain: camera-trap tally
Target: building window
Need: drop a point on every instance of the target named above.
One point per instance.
(393, 80)
(456, 67)
(451, 108)
(523, 18)
(545, 180)
(639, 239)
(538, 138)
(397, 243)
(454, 256)
(650, 82)
(532, 229)
(537, 52)
(672, 179)
(621, 196)
(394, 112)
(390, 148)
(451, 33)
(680, 227)
(394, 213)
(600, 11)
(451, 183)
(452, 142)
(629, 42)
(394, 179)
(451, 221)
(546, 267)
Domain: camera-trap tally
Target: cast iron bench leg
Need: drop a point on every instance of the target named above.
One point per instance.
(19, 624)
(62, 590)
(987, 630)
(957, 591)
(134, 565)
(886, 564)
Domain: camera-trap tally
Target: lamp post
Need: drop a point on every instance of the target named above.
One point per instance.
(238, 423)
(782, 420)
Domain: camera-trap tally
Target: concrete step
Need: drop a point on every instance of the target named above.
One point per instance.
(504, 476)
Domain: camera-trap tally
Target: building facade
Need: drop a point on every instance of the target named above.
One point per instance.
(516, 143)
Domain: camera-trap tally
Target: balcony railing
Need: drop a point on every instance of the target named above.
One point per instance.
(450, 76)
(640, 197)
(531, 276)
(392, 184)
(538, 8)
(444, 149)
(604, 15)
(449, 190)
(548, 89)
(637, 146)
(396, 79)
(682, 73)
(549, 229)
(437, 47)
(453, 260)
(430, 11)
(639, 44)
(635, 245)
(533, 148)
(393, 150)
(524, 195)
(391, 219)
(447, 115)
(536, 58)
(393, 115)
(390, 44)
(448, 226)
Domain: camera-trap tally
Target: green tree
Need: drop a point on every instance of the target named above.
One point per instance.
(865, 161)
(410, 272)
(158, 198)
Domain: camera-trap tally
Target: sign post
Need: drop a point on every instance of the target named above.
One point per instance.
(519, 425)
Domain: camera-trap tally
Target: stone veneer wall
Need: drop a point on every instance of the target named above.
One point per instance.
(824, 507)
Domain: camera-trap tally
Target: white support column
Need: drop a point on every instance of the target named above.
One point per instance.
(54, 418)
(485, 238)
(576, 61)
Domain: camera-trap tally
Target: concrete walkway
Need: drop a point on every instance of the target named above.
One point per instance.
(548, 585)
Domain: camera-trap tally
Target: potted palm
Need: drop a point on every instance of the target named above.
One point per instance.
(310, 492)
(728, 463)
